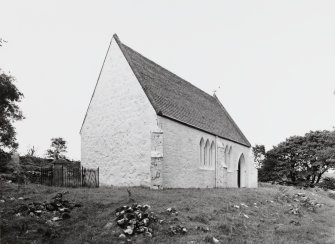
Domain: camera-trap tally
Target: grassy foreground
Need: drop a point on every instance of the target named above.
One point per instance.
(232, 215)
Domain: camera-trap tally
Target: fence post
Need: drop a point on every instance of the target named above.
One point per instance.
(52, 176)
(62, 176)
(98, 177)
(82, 177)
(79, 177)
(65, 176)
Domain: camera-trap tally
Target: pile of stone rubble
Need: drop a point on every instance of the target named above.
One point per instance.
(302, 200)
(135, 219)
(58, 207)
(177, 229)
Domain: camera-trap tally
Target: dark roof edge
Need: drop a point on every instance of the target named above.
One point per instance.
(195, 127)
(136, 73)
(96, 84)
(233, 122)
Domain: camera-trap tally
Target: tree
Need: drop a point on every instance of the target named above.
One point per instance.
(259, 154)
(31, 151)
(300, 159)
(58, 147)
(265, 164)
(9, 111)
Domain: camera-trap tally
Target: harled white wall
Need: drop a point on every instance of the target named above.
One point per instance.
(181, 167)
(116, 133)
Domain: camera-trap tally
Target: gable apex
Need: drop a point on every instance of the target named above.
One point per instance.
(113, 45)
(115, 36)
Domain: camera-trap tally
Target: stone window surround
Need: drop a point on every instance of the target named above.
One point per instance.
(207, 155)
(228, 156)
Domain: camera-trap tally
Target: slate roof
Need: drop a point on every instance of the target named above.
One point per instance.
(177, 99)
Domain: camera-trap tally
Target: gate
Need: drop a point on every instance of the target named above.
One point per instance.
(69, 176)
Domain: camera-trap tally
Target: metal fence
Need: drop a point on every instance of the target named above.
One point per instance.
(69, 176)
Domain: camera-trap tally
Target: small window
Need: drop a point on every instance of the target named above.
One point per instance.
(207, 154)
(212, 155)
(202, 152)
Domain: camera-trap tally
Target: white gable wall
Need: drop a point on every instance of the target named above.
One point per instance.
(181, 167)
(116, 132)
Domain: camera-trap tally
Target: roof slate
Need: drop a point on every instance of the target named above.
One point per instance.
(177, 99)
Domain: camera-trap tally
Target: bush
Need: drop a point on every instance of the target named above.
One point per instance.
(328, 183)
(31, 163)
(4, 159)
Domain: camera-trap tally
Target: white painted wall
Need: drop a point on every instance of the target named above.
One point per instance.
(181, 167)
(116, 137)
(116, 132)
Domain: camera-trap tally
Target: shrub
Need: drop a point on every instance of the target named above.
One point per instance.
(4, 159)
(328, 183)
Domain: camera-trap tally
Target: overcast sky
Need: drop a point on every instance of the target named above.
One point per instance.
(274, 61)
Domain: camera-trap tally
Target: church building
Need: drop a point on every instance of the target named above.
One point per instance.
(146, 126)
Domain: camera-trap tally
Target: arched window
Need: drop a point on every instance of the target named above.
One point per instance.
(206, 157)
(202, 146)
(212, 155)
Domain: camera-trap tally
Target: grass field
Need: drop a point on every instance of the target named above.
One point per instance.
(264, 219)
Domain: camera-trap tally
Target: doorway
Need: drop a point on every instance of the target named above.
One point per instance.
(241, 172)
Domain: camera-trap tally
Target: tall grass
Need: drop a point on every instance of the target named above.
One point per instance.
(232, 215)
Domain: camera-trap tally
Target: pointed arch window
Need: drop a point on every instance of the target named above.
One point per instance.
(202, 147)
(212, 155)
(207, 154)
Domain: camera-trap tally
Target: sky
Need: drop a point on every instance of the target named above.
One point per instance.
(270, 62)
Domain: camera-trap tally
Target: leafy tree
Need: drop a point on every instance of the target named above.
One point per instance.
(259, 154)
(58, 147)
(328, 183)
(9, 111)
(300, 159)
(4, 159)
(269, 171)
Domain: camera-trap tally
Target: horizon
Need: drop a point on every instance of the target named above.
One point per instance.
(271, 64)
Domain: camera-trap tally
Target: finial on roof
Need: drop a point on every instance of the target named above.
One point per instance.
(215, 90)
